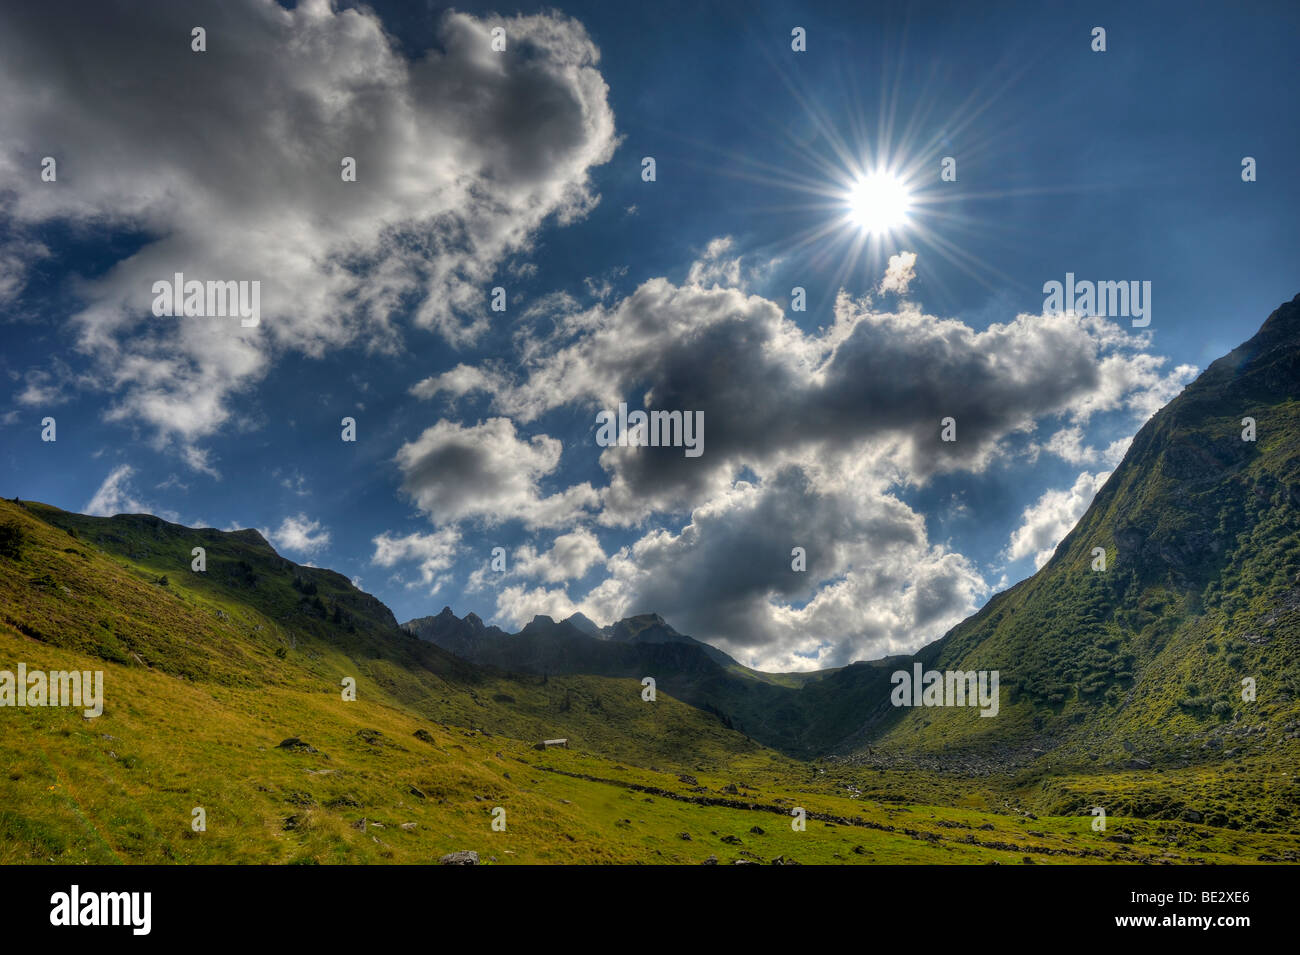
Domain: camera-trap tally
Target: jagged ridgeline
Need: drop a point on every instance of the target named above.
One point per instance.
(800, 714)
(1153, 661)
(1130, 646)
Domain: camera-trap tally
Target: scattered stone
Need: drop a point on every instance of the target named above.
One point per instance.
(464, 857)
(296, 745)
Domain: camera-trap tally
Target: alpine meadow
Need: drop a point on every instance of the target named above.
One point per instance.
(723, 434)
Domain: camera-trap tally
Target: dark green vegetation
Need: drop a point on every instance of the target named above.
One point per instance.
(1144, 663)
(1120, 689)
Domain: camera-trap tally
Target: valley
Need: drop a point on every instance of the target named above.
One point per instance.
(1146, 713)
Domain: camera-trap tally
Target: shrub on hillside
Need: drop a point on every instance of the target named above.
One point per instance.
(11, 541)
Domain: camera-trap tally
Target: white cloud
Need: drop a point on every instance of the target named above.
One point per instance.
(435, 553)
(293, 481)
(299, 534)
(487, 472)
(516, 605)
(874, 583)
(117, 495)
(1046, 522)
(713, 268)
(458, 382)
(114, 495)
(570, 557)
(899, 274)
(807, 433)
(1068, 445)
(16, 258)
(462, 155)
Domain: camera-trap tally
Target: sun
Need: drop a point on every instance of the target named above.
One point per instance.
(879, 203)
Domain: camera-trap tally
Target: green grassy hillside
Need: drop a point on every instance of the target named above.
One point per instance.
(1121, 689)
(1144, 662)
(207, 675)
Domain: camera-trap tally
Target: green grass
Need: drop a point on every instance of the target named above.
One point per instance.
(205, 676)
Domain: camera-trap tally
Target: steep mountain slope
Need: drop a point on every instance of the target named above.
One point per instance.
(122, 590)
(1144, 662)
(1140, 662)
(1121, 687)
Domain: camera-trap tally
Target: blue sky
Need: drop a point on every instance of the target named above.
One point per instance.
(522, 169)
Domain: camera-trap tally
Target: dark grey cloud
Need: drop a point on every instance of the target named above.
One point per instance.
(806, 434)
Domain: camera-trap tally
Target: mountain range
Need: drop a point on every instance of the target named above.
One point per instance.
(1200, 590)
(1150, 664)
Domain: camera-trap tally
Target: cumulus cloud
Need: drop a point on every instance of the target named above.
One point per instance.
(714, 267)
(808, 435)
(570, 557)
(434, 553)
(873, 584)
(1068, 445)
(488, 472)
(516, 604)
(461, 153)
(1046, 522)
(899, 274)
(772, 393)
(300, 534)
